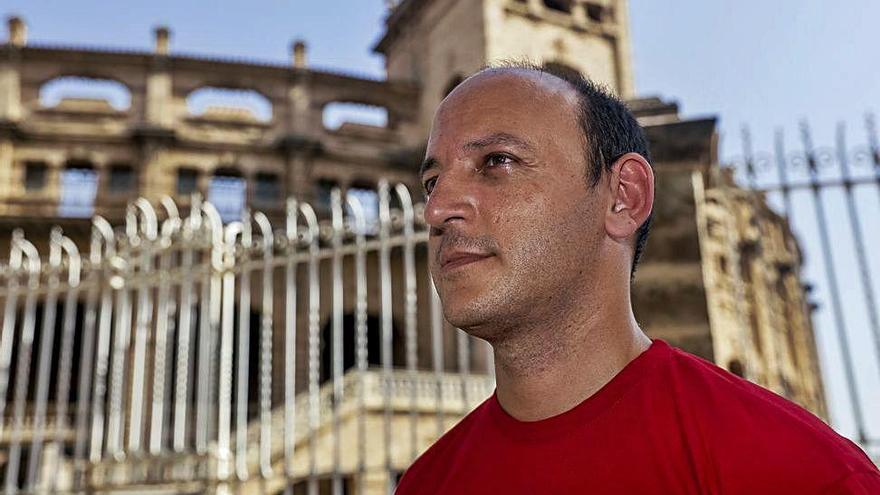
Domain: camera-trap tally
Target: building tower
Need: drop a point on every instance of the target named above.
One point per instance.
(436, 43)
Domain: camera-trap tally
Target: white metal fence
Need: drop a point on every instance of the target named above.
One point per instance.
(184, 354)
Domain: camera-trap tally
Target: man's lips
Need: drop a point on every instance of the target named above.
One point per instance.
(459, 259)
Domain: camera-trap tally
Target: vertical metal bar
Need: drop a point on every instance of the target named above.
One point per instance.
(143, 317)
(9, 320)
(65, 359)
(410, 308)
(836, 305)
(290, 309)
(336, 267)
(751, 175)
(266, 348)
(464, 367)
(437, 347)
(490, 359)
(121, 343)
(87, 360)
(103, 233)
(224, 394)
(314, 341)
(244, 349)
(188, 304)
(202, 382)
(44, 357)
(873, 146)
(781, 166)
(386, 322)
(360, 227)
(206, 410)
(858, 239)
(22, 371)
(164, 315)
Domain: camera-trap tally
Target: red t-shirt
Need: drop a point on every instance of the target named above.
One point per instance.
(669, 422)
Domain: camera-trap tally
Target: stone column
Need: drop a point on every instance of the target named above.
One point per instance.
(10, 106)
(17, 31)
(299, 156)
(6, 171)
(536, 6)
(298, 51)
(579, 13)
(162, 35)
(160, 97)
(10, 75)
(302, 134)
(623, 52)
(156, 131)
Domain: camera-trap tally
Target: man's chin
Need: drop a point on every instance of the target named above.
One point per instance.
(475, 324)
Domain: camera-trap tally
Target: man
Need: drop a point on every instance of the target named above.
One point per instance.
(539, 197)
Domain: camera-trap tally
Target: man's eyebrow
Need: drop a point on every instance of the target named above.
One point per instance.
(498, 138)
(477, 144)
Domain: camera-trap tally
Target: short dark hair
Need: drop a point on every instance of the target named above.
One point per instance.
(610, 131)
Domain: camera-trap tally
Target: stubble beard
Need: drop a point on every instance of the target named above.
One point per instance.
(521, 297)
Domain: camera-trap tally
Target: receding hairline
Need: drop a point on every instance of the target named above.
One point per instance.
(527, 72)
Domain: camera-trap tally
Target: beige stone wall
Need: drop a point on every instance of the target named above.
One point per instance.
(758, 308)
(446, 40)
(511, 33)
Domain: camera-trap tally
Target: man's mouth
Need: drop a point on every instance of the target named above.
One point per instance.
(457, 260)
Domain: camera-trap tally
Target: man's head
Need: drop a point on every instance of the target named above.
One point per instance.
(539, 197)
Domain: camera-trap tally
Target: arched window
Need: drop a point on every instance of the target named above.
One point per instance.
(559, 5)
(79, 186)
(597, 12)
(229, 104)
(35, 175)
(321, 194)
(187, 181)
(338, 114)
(121, 179)
(228, 193)
(267, 189)
(113, 95)
(366, 194)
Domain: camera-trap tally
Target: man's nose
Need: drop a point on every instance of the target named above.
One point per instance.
(450, 201)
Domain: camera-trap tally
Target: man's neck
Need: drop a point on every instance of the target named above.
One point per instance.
(544, 372)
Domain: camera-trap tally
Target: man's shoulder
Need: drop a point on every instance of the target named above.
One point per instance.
(750, 429)
(728, 403)
(718, 392)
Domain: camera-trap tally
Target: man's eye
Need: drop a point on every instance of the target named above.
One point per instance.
(429, 184)
(498, 160)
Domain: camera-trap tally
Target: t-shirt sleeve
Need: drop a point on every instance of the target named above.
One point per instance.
(857, 483)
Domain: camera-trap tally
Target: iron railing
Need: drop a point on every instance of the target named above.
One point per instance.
(826, 195)
(174, 321)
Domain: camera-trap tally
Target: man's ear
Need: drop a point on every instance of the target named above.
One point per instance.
(631, 195)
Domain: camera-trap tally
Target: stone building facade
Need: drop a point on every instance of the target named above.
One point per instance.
(720, 274)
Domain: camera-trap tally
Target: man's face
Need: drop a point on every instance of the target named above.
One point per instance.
(514, 226)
